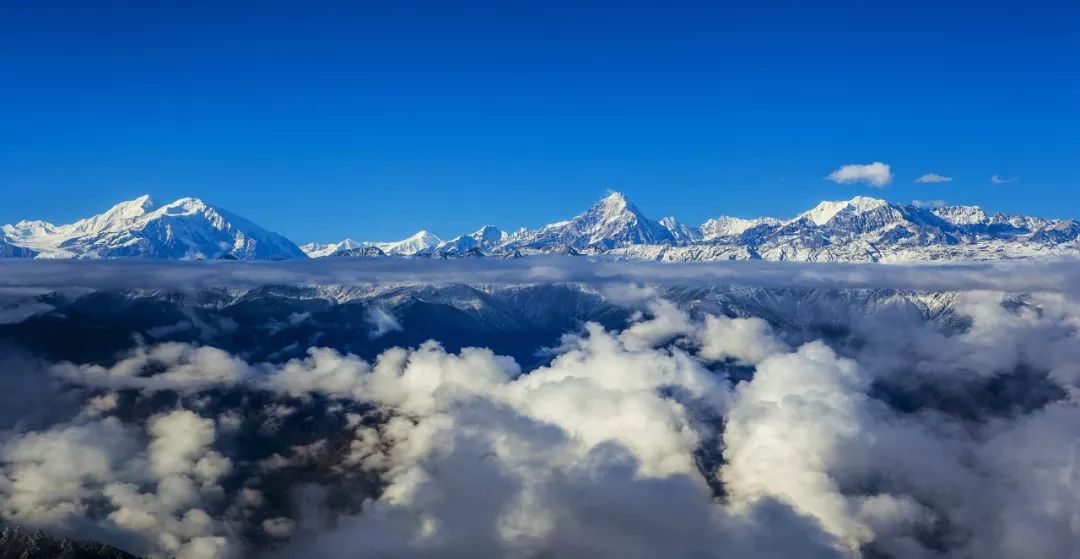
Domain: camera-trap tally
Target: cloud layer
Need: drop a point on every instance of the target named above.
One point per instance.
(43, 276)
(684, 432)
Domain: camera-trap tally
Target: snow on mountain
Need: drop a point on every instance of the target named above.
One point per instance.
(825, 212)
(360, 251)
(485, 238)
(8, 250)
(680, 231)
(421, 242)
(859, 229)
(961, 215)
(613, 222)
(318, 250)
(725, 226)
(186, 229)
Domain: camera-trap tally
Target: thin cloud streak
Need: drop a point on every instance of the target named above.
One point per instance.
(932, 178)
(998, 179)
(1050, 274)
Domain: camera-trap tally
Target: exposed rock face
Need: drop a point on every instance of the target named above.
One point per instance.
(19, 543)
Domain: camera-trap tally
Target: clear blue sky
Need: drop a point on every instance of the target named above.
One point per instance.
(322, 120)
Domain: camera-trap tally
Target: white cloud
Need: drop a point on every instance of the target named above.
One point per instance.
(187, 369)
(931, 178)
(616, 447)
(158, 494)
(876, 174)
(381, 322)
(749, 340)
(1002, 275)
(998, 179)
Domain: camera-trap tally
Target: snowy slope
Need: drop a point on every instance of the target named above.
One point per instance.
(725, 226)
(186, 229)
(420, 242)
(485, 238)
(8, 250)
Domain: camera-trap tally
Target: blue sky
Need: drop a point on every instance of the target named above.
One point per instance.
(322, 120)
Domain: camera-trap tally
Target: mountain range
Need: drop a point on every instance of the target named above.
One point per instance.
(861, 229)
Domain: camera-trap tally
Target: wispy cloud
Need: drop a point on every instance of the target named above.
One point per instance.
(998, 179)
(1057, 275)
(876, 174)
(931, 178)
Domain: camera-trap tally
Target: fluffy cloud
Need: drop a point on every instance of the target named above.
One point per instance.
(186, 369)
(876, 174)
(863, 430)
(749, 340)
(49, 477)
(932, 178)
(65, 475)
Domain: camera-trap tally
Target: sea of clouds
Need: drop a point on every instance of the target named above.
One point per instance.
(680, 434)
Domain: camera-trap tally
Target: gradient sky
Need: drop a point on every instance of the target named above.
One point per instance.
(322, 120)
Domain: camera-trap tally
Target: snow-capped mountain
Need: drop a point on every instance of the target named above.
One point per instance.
(613, 222)
(186, 229)
(318, 250)
(861, 229)
(485, 238)
(726, 226)
(420, 243)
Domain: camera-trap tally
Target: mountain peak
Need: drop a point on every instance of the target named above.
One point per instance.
(115, 218)
(186, 205)
(825, 211)
(615, 196)
(614, 200)
(424, 235)
(132, 208)
(612, 221)
(422, 241)
(867, 202)
(144, 201)
(489, 234)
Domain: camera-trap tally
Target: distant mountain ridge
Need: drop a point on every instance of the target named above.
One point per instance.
(861, 229)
